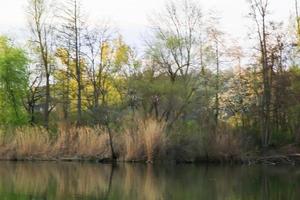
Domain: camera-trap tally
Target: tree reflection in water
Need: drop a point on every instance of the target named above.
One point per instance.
(60, 181)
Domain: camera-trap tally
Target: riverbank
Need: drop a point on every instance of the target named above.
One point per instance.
(147, 142)
(270, 160)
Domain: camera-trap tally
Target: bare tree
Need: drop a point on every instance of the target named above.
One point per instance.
(72, 28)
(215, 35)
(32, 97)
(63, 52)
(175, 46)
(42, 32)
(259, 14)
(175, 50)
(97, 43)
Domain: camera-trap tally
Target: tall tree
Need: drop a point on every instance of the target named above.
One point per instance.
(297, 20)
(176, 37)
(216, 40)
(13, 83)
(42, 32)
(174, 50)
(72, 27)
(98, 42)
(259, 14)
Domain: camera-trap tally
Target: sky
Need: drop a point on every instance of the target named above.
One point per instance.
(131, 16)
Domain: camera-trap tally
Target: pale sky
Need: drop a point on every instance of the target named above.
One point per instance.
(131, 16)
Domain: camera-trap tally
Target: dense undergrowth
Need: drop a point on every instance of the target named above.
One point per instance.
(144, 141)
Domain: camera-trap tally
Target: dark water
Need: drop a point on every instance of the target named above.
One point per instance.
(68, 181)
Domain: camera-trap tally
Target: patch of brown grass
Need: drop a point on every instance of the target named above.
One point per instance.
(144, 142)
(35, 143)
(29, 142)
(83, 142)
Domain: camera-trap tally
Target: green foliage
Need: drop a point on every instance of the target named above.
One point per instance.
(171, 96)
(173, 42)
(13, 83)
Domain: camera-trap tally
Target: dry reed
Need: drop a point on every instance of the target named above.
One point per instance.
(146, 141)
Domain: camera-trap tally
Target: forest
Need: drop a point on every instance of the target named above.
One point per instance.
(77, 91)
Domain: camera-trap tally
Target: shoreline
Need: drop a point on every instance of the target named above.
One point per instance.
(268, 160)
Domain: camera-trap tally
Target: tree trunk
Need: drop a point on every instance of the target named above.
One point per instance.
(78, 67)
(47, 101)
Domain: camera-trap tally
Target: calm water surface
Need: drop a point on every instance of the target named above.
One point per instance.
(68, 181)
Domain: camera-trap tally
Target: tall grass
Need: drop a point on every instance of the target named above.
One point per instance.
(142, 140)
(146, 141)
(36, 143)
(1, 138)
(83, 142)
(28, 142)
(155, 138)
(225, 145)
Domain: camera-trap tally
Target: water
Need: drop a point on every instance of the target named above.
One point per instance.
(68, 181)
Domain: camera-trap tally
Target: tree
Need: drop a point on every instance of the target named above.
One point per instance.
(238, 100)
(33, 95)
(297, 20)
(216, 39)
(175, 48)
(42, 33)
(174, 52)
(13, 83)
(106, 57)
(259, 14)
(71, 30)
(99, 51)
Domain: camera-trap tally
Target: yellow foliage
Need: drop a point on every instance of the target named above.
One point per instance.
(121, 53)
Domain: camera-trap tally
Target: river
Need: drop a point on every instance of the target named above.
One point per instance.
(91, 181)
